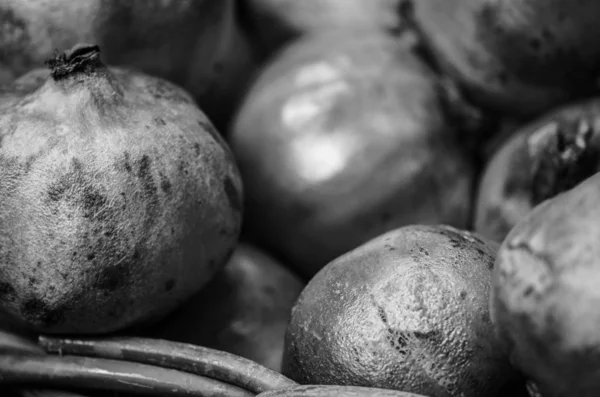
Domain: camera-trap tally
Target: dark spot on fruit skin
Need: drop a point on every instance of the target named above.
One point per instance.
(463, 295)
(396, 340)
(197, 149)
(57, 189)
(76, 188)
(127, 162)
(160, 122)
(182, 167)
(455, 238)
(29, 162)
(37, 312)
(423, 250)
(145, 174)
(112, 278)
(170, 284)
(93, 201)
(165, 184)
(235, 201)
(6, 290)
(148, 186)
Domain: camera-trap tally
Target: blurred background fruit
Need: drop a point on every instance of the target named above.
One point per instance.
(278, 22)
(542, 159)
(244, 310)
(343, 137)
(519, 57)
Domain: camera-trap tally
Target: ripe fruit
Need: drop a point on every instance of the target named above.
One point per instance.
(279, 21)
(343, 137)
(407, 311)
(119, 200)
(521, 57)
(195, 44)
(544, 300)
(542, 159)
(244, 310)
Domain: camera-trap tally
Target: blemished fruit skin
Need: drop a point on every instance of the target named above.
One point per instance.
(543, 158)
(343, 137)
(244, 310)
(278, 22)
(119, 199)
(197, 44)
(544, 300)
(520, 57)
(408, 311)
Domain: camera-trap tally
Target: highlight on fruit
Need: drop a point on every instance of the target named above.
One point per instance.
(313, 198)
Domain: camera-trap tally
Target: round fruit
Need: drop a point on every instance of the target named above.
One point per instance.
(118, 200)
(244, 310)
(196, 44)
(518, 56)
(343, 137)
(542, 159)
(279, 21)
(544, 300)
(407, 311)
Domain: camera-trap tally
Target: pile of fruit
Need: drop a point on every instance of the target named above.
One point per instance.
(299, 198)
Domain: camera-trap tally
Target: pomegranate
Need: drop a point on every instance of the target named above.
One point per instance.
(544, 299)
(542, 158)
(119, 199)
(344, 137)
(521, 57)
(408, 310)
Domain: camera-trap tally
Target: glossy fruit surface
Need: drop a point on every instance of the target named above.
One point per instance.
(343, 138)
